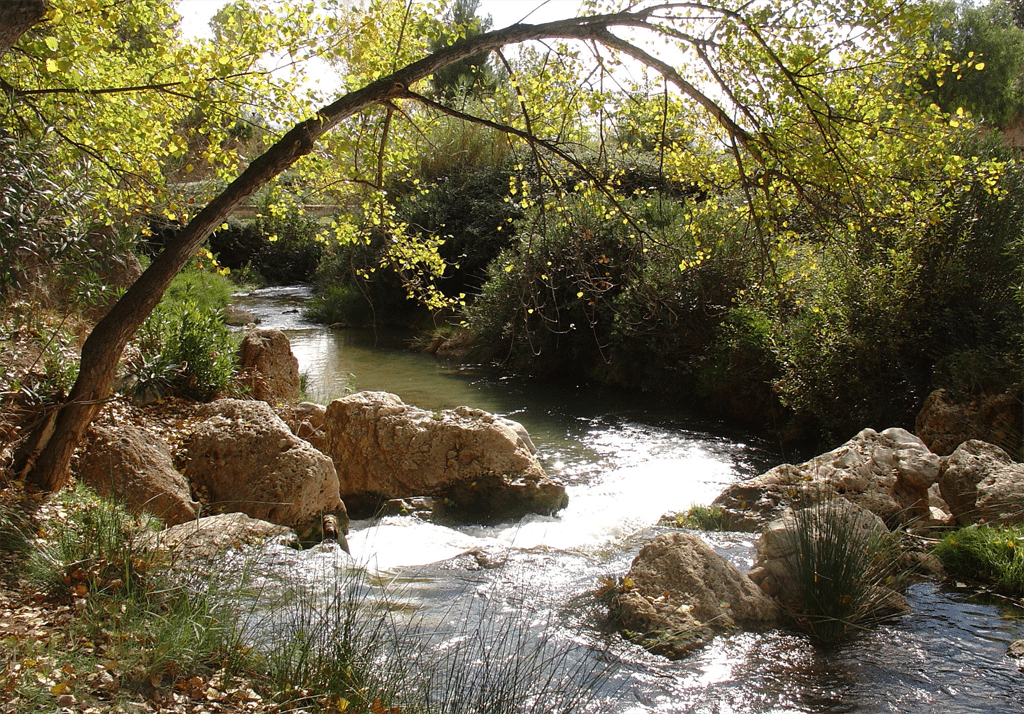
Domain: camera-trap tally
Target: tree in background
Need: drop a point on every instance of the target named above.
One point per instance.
(473, 76)
(791, 105)
(983, 70)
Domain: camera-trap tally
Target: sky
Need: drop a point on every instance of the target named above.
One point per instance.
(196, 14)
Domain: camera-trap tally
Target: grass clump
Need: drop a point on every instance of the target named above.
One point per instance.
(845, 566)
(153, 630)
(348, 645)
(990, 555)
(697, 517)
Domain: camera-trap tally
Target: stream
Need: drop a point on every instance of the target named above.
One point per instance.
(626, 461)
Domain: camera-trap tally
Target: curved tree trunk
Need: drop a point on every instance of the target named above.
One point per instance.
(16, 17)
(45, 461)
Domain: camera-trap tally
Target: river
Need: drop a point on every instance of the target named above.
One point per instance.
(627, 460)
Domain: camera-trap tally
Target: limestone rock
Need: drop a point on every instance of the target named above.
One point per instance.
(205, 539)
(1016, 651)
(306, 420)
(268, 367)
(776, 565)
(384, 449)
(135, 465)
(980, 482)
(246, 459)
(888, 473)
(237, 317)
(944, 422)
(679, 594)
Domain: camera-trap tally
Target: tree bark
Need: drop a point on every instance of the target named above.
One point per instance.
(16, 17)
(46, 462)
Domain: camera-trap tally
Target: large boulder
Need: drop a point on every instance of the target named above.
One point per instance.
(945, 422)
(888, 473)
(306, 420)
(242, 457)
(268, 368)
(680, 593)
(841, 532)
(136, 466)
(981, 483)
(384, 449)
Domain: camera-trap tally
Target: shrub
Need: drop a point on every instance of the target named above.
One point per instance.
(39, 226)
(993, 556)
(184, 346)
(548, 300)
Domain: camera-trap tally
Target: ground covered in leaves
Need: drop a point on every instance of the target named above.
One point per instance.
(57, 657)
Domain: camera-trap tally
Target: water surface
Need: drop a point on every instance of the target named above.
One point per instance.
(627, 460)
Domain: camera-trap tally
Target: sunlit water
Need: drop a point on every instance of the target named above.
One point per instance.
(626, 461)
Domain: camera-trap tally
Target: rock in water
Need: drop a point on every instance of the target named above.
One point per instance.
(384, 449)
(680, 593)
(888, 473)
(248, 460)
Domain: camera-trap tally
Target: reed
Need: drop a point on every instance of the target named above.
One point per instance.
(845, 573)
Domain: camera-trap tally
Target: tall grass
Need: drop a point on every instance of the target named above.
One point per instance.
(344, 644)
(156, 629)
(323, 641)
(845, 572)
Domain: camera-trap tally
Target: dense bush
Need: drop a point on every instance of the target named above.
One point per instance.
(184, 346)
(283, 245)
(548, 305)
(871, 326)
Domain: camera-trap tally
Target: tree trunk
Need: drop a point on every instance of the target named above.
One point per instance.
(16, 17)
(45, 462)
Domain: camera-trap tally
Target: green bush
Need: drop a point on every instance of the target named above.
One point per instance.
(547, 305)
(40, 228)
(338, 303)
(351, 288)
(209, 291)
(185, 346)
(993, 556)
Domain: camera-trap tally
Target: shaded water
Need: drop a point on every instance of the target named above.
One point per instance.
(626, 462)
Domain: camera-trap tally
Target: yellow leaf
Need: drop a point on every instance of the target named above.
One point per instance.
(60, 688)
(980, 66)
(51, 65)
(52, 43)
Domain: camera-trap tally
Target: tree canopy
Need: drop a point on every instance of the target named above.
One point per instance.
(788, 117)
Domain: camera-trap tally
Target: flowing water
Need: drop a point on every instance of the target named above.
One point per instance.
(626, 461)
